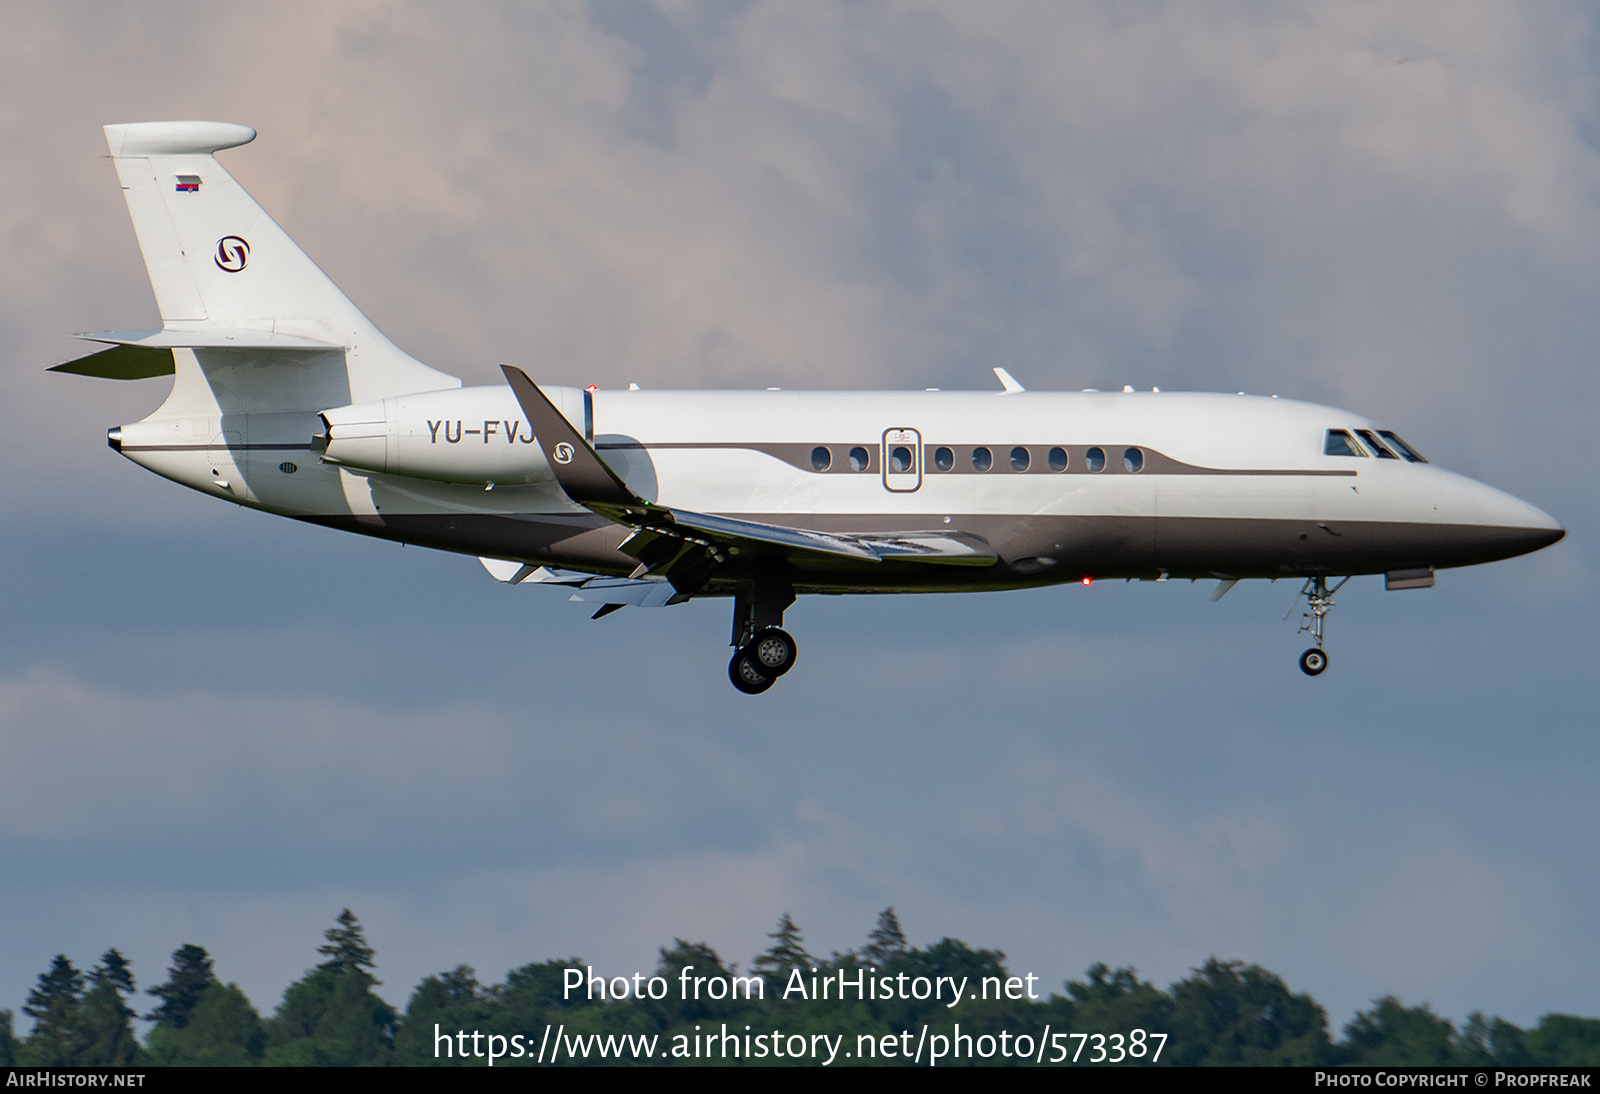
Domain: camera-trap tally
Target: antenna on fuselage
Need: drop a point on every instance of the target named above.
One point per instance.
(1008, 381)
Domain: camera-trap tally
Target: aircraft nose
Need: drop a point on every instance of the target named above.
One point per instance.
(1544, 530)
(1541, 526)
(1518, 526)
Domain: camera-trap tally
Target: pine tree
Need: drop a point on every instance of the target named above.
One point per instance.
(451, 1000)
(886, 941)
(223, 1031)
(787, 951)
(187, 980)
(56, 1007)
(108, 1032)
(9, 1045)
(114, 968)
(347, 950)
(331, 1017)
(108, 1039)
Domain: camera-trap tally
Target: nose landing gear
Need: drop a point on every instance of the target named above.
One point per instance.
(1319, 600)
(1313, 661)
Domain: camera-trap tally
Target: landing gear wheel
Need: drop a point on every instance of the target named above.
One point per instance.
(772, 651)
(1313, 661)
(746, 676)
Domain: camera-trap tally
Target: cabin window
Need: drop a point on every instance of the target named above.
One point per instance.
(1019, 459)
(899, 459)
(821, 458)
(1340, 443)
(1096, 459)
(982, 459)
(860, 458)
(1411, 454)
(1376, 445)
(1133, 460)
(1058, 459)
(943, 459)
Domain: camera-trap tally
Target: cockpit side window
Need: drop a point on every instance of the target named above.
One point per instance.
(1339, 443)
(1411, 454)
(1375, 444)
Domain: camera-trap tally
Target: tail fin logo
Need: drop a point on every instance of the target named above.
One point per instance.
(233, 253)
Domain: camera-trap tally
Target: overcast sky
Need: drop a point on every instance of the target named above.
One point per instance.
(220, 727)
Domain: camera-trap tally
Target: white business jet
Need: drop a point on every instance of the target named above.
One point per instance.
(286, 398)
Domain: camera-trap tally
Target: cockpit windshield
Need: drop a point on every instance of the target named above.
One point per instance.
(1376, 445)
(1382, 443)
(1411, 454)
(1339, 443)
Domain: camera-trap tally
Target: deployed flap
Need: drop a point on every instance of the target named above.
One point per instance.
(645, 592)
(726, 528)
(950, 547)
(512, 573)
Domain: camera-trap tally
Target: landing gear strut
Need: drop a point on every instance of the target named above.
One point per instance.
(1319, 600)
(763, 650)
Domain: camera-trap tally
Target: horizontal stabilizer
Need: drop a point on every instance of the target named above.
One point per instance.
(120, 363)
(215, 338)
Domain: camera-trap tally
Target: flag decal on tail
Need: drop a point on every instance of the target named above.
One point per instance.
(188, 184)
(233, 253)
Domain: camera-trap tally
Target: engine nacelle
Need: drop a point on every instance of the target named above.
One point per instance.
(465, 435)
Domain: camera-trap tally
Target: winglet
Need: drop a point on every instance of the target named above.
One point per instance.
(577, 466)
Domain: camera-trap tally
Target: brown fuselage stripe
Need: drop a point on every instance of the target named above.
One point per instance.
(798, 456)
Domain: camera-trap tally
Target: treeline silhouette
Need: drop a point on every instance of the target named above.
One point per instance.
(1226, 1012)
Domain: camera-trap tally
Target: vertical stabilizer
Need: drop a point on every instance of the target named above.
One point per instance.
(218, 262)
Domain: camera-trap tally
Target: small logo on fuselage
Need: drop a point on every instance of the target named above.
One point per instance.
(563, 453)
(233, 252)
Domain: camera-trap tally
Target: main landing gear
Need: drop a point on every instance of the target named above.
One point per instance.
(1319, 599)
(763, 650)
(758, 663)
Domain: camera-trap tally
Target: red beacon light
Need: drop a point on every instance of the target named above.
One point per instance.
(1087, 581)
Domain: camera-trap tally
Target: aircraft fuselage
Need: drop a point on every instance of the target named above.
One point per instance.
(1062, 485)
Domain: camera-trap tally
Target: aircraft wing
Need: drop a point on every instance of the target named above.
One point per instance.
(590, 482)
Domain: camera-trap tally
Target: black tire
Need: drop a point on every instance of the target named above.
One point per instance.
(772, 651)
(746, 676)
(1313, 662)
